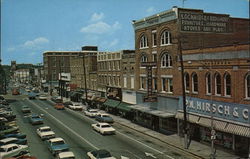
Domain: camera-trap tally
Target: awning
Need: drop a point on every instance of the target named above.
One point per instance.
(74, 94)
(112, 103)
(124, 107)
(146, 109)
(220, 125)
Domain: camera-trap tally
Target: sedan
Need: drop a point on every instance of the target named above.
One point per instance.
(76, 106)
(26, 109)
(45, 133)
(57, 145)
(66, 155)
(19, 136)
(13, 140)
(104, 118)
(100, 154)
(59, 106)
(13, 150)
(43, 97)
(36, 119)
(91, 112)
(103, 128)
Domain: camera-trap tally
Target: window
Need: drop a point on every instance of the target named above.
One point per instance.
(132, 82)
(167, 85)
(143, 42)
(165, 38)
(144, 58)
(194, 83)
(142, 83)
(164, 88)
(217, 84)
(208, 83)
(186, 82)
(247, 81)
(170, 85)
(154, 38)
(125, 81)
(154, 57)
(155, 84)
(227, 84)
(166, 60)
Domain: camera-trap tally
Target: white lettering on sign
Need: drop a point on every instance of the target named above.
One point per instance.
(235, 112)
(245, 113)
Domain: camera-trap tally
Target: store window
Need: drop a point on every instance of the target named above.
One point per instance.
(166, 60)
(143, 42)
(208, 84)
(194, 83)
(247, 83)
(217, 84)
(165, 38)
(227, 84)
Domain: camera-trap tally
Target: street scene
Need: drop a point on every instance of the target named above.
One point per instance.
(125, 80)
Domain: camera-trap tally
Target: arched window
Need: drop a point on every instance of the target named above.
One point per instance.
(227, 84)
(208, 83)
(166, 60)
(217, 84)
(194, 83)
(143, 41)
(247, 82)
(165, 38)
(144, 58)
(186, 82)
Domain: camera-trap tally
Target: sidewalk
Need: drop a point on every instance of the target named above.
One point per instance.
(196, 148)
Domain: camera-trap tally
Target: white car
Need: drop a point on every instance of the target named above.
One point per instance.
(76, 106)
(91, 112)
(66, 155)
(43, 97)
(11, 150)
(45, 133)
(103, 128)
(100, 154)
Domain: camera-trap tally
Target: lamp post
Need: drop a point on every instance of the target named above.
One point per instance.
(85, 80)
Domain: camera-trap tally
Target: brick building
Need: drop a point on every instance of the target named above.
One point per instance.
(216, 62)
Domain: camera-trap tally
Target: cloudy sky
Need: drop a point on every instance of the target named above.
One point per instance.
(30, 27)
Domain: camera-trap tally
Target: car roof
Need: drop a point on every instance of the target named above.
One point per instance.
(8, 146)
(56, 139)
(93, 110)
(44, 127)
(103, 124)
(66, 154)
(8, 139)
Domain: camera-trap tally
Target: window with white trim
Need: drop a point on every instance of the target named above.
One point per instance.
(208, 84)
(132, 81)
(167, 85)
(227, 84)
(166, 60)
(155, 84)
(154, 39)
(217, 84)
(186, 82)
(142, 82)
(247, 83)
(143, 42)
(165, 38)
(144, 58)
(194, 83)
(124, 81)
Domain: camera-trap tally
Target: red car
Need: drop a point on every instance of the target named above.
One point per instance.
(59, 106)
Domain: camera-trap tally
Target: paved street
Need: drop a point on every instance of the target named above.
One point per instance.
(75, 128)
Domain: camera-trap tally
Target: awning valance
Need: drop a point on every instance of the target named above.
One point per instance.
(112, 103)
(124, 107)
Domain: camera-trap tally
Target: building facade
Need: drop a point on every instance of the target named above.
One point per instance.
(208, 41)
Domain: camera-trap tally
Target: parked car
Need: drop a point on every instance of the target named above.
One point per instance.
(103, 128)
(13, 140)
(2, 98)
(32, 95)
(66, 155)
(45, 133)
(104, 118)
(91, 112)
(12, 150)
(100, 154)
(36, 119)
(26, 109)
(6, 129)
(56, 99)
(23, 157)
(18, 135)
(76, 106)
(66, 104)
(59, 106)
(42, 97)
(57, 145)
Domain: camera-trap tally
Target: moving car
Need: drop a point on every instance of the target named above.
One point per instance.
(36, 119)
(56, 99)
(103, 128)
(91, 112)
(45, 133)
(59, 106)
(100, 154)
(57, 145)
(66, 155)
(104, 118)
(76, 106)
(26, 109)
(32, 95)
(66, 104)
(42, 97)
(12, 150)
(13, 140)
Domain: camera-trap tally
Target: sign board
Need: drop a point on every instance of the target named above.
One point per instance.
(148, 64)
(64, 76)
(203, 22)
(114, 93)
(150, 99)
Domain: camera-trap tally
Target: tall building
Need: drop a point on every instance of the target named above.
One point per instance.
(216, 57)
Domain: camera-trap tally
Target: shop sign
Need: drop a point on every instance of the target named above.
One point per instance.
(203, 22)
(228, 111)
(64, 76)
(114, 93)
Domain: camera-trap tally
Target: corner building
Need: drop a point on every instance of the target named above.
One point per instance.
(216, 57)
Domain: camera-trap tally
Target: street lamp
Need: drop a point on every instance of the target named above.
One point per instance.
(85, 81)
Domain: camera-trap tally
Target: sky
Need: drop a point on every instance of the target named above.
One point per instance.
(31, 27)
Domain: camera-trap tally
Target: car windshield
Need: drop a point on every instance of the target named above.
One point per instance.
(106, 126)
(93, 111)
(104, 154)
(105, 116)
(68, 158)
(45, 130)
(58, 143)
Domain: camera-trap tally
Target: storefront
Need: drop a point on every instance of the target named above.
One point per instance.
(230, 122)
(111, 105)
(124, 110)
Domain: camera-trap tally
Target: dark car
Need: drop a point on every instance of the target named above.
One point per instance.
(36, 119)
(104, 118)
(66, 104)
(8, 129)
(18, 135)
(8, 116)
(13, 140)
(56, 99)
(4, 102)
(2, 98)
(32, 95)
(100, 154)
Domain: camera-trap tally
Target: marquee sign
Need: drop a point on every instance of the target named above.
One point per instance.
(203, 22)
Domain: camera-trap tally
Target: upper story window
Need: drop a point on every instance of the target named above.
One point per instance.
(166, 60)
(143, 42)
(208, 83)
(247, 83)
(165, 37)
(186, 82)
(217, 84)
(227, 84)
(194, 83)
(154, 38)
(144, 58)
